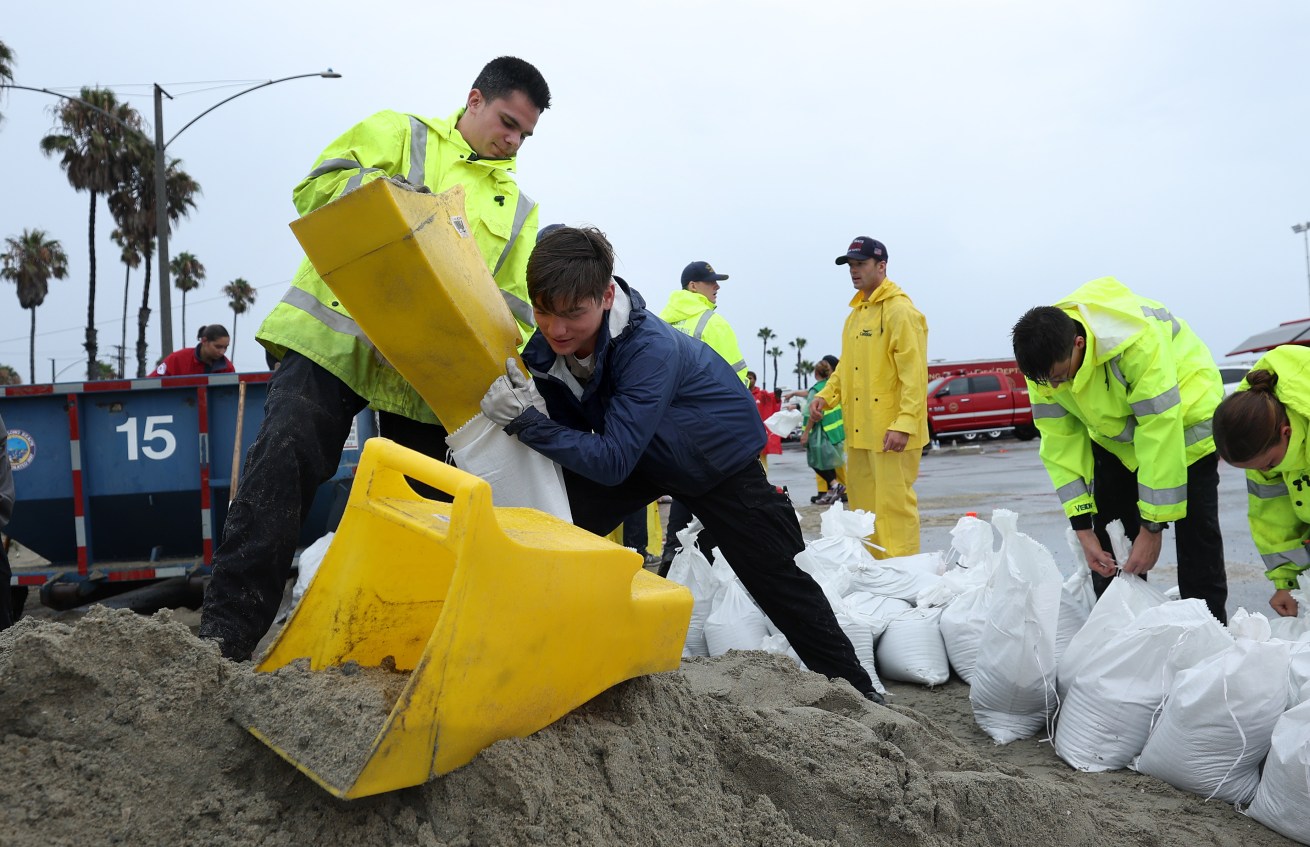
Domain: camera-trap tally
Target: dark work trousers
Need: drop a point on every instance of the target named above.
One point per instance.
(8, 614)
(307, 417)
(1199, 545)
(636, 535)
(757, 532)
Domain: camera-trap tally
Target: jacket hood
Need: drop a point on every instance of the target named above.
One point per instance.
(885, 291)
(1110, 312)
(1292, 364)
(446, 129)
(684, 304)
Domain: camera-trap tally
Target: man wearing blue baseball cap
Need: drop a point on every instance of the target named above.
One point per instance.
(881, 383)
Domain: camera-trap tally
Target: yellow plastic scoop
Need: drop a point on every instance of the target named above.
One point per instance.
(506, 618)
(406, 267)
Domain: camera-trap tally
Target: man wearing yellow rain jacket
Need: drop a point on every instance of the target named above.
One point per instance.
(881, 382)
(691, 311)
(329, 369)
(1123, 393)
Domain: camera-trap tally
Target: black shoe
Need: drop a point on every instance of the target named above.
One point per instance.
(816, 498)
(875, 697)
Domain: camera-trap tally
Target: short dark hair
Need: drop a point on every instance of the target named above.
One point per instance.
(1043, 338)
(1247, 423)
(212, 332)
(502, 76)
(568, 266)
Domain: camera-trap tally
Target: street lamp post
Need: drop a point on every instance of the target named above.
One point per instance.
(161, 182)
(1304, 229)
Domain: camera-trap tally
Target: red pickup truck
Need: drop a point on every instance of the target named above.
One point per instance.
(981, 404)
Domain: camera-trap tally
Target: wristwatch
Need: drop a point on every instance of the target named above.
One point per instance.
(1154, 526)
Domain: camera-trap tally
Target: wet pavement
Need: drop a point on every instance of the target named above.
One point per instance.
(1007, 474)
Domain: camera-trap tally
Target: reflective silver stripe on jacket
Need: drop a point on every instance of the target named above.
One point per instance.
(1162, 315)
(1266, 490)
(700, 324)
(1162, 496)
(1299, 556)
(1049, 410)
(737, 366)
(1071, 491)
(1118, 374)
(1157, 404)
(332, 319)
(1130, 426)
(331, 165)
(354, 181)
(521, 309)
(1198, 432)
(418, 151)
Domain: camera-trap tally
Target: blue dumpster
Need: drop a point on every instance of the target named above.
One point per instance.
(130, 480)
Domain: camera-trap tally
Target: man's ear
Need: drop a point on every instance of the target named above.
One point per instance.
(607, 299)
(475, 100)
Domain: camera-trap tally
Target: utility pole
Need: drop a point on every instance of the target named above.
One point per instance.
(1304, 229)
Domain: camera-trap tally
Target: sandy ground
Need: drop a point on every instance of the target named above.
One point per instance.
(120, 728)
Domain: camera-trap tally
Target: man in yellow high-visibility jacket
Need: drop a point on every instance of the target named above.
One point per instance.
(1123, 393)
(881, 383)
(329, 369)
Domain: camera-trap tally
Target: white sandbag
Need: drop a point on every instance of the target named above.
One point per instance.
(834, 579)
(1077, 598)
(519, 475)
(1104, 720)
(1126, 598)
(691, 569)
(1298, 670)
(779, 645)
(953, 583)
(911, 650)
(843, 535)
(972, 543)
(1013, 687)
(863, 632)
(962, 623)
(735, 622)
(307, 565)
(1282, 802)
(783, 423)
(1213, 730)
(903, 577)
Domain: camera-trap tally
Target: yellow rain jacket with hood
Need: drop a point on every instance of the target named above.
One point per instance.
(693, 314)
(881, 381)
(1146, 391)
(425, 151)
(1280, 520)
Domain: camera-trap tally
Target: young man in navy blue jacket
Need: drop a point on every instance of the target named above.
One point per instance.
(638, 409)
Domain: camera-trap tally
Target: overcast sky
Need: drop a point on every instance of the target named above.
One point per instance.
(1005, 152)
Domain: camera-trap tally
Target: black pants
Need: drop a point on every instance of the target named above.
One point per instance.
(1197, 540)
(307, 417)
(8, 614)
(756, 530)
(636, 534)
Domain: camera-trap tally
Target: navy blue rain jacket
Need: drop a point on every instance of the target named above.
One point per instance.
(660, 403)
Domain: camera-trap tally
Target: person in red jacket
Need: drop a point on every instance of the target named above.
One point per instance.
(207, 357)
(767, 402)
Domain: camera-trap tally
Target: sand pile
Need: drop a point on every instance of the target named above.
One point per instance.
(124, 729)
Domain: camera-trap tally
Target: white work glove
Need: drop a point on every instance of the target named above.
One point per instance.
(508, 397)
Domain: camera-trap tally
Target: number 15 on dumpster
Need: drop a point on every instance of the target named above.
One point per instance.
(145, 443)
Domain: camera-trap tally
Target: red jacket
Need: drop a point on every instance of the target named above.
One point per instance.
(186, 362)
(767, 403)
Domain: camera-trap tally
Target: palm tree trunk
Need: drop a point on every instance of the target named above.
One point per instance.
(31, 351)
(232, 351)
(122, 346)
(184, 335)
(91, 348)
(143, 318)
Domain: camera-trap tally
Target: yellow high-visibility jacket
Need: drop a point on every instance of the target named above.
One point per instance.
(425, 151)
(1146, 391)
(1278, 501)
(693, 314)
(881, 381)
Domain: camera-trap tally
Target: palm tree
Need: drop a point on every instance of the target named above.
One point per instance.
(188, 273)
(133, 205)
(30, 261)
(131, 259)
(240, 295)
(6, 66)
(798, 345)
(776, 353)
(766, 335)
(803, 370)
(91, 150)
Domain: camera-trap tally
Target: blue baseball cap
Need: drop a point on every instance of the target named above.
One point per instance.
(862, 249)
(700, 272)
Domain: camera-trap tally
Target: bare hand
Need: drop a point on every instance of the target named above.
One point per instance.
(816, 409)
(1097, 559)
(1283, 603)
(894, 442)
(1145, 552)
